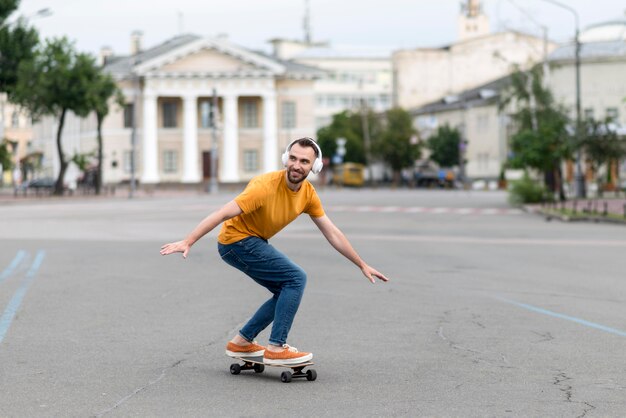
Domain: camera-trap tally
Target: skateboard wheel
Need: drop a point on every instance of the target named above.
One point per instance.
(258, 368)
(235, 368)
(285, 377)
(311, 375)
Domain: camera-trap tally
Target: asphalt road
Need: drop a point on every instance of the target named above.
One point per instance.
(490, 312)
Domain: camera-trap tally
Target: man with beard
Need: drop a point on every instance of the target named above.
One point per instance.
(269, 203)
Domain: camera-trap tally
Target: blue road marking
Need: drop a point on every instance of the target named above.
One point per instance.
(566, 317)
(16, 300)
(16, 262)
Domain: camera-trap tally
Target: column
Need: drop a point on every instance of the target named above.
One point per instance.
(191, 172)
(150, 146)
(230, 164)
(270, 137)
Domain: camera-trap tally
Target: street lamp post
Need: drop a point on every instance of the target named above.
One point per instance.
(580, 180)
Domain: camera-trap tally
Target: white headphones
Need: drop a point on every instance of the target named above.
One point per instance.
(317, 164)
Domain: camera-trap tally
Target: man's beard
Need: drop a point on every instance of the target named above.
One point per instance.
(294, 180)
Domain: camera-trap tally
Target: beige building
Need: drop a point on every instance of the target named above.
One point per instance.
(263, 103)
(602, 72)
(487, 128)
(602, 76)
(424, 75)
(352, 76)
(476, 114)
(16, 128)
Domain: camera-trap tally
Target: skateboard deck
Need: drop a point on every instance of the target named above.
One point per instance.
(256, 364)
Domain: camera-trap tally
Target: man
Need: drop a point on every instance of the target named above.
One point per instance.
(269, 203)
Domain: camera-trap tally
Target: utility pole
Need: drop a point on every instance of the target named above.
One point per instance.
(579, 178)
(307, 23)
(213, 185)
(366, 135)
(366, 140)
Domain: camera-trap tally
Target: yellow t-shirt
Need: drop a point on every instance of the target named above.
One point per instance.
(268, 206)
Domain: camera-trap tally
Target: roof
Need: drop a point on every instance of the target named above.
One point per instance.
(602, 40)
(591, 50)
(121, 66)
(295, 68)
(482, 39)
(481, 95)
(605, 31)
(346, 52)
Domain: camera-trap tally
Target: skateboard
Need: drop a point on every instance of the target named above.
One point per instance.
(256, 364)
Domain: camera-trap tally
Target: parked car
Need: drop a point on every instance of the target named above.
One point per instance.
(349, 174)
(40, 185)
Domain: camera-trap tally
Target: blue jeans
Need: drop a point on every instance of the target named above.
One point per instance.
(273, 270)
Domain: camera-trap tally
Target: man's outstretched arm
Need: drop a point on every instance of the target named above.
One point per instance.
(229, 210)
(340, 243)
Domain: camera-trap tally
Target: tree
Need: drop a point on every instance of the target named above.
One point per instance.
(541, 141)
(444, 146)
(348, 125)
(6, 162)
(17, 44)
(102, 90)
(394, 145)
(55, 81)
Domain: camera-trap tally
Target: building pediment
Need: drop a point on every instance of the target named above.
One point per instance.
(207, 56)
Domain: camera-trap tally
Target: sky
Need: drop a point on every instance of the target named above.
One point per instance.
(393, 24)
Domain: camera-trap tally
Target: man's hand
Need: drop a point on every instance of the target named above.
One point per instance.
(371, 273)
(176, 247)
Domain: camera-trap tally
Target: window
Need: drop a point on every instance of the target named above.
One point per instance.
(205, 114)
(129, 109)
(170, 161)
(250, 160)
(15, 119)
(250, 114)
(482, 160)
(127, 161)
(384, 101)
(482, 123)
(588, 113)
(289, 115)
(612, 113)
(169, 114)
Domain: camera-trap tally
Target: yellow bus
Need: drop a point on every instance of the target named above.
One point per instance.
(349, 174)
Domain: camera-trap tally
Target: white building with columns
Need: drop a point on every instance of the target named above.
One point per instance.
(262, 104)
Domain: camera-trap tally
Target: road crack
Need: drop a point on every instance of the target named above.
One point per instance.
(162, 374)
(138, 390)
(476, 356)
(562, 381)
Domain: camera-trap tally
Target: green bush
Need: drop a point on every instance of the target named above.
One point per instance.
(525, 191)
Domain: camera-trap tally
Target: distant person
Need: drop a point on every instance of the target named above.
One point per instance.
(269, 203)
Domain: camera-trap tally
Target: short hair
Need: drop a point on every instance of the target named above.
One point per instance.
(307, 142)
